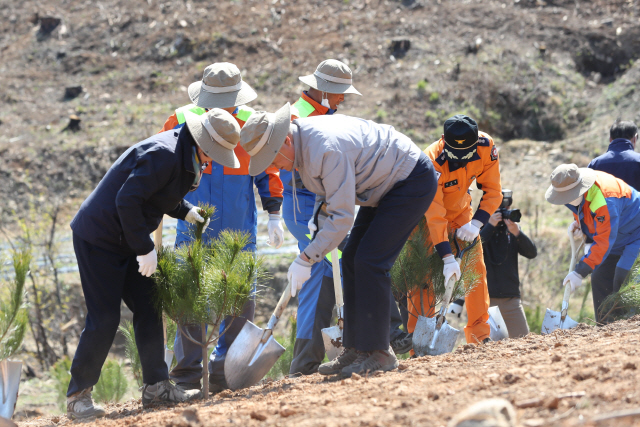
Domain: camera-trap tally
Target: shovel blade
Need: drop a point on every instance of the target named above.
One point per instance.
(10, 372)
(423, 335)
(496, 323)
(247, 361)
(553, 320)
(168, 357)
(332, 338)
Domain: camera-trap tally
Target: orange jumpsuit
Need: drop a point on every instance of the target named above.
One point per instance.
(451, 209)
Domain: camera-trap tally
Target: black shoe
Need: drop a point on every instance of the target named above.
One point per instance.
(486, 340)
(217, 385)
(403, 344)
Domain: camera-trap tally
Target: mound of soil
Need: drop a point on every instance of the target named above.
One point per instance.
(585, 376)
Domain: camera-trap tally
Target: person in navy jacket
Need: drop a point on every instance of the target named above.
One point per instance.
(116, 255)
(621, 160)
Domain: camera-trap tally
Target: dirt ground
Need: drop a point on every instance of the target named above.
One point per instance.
(584, 377)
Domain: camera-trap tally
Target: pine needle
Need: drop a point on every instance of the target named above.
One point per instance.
(626, 302)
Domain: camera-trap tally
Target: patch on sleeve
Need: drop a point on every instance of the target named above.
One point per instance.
(600, 219)
(494, 153)
(450, 183)
(483, 141)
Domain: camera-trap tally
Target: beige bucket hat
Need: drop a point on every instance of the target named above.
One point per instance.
(217, 133)
(331, 76)
(568, 182)
(221, 87)
(262, 137)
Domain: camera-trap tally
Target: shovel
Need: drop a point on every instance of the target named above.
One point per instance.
(10, 372)
(254, 351)
(168, 354)
(433, 335)
(559, 320)
(497, 325)
(332, 336)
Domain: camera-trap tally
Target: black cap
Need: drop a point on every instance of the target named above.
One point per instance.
(460, 132)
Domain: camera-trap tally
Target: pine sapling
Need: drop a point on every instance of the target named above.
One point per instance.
(201, 284)
(131, 350)
(13, 311)
(626, 302)
(112, 385)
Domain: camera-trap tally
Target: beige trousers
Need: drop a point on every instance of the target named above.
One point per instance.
(513, 315)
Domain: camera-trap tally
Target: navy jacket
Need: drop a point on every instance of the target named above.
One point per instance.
(149, 180)
(620, 161)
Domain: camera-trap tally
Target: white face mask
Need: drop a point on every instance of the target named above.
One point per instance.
(576, 202)
(325, 101)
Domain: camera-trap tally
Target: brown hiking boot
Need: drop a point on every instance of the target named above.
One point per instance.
(370, 361)
(346, 358)
(81, 405)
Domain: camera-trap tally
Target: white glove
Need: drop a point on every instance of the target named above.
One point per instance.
(587, 247)
(574, 280)
(276, 232)
(469, 231)
(194, 216)
(451, 268)
(147, 263)
(299, 272)
(575, 230)
(455, 308)
(312, 226)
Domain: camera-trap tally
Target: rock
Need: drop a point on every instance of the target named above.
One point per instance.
(402, 366)
(260, 416)
(630, 365)
(355, 377)
(486, 413)
(72, 92)
(556, 358)
(286, 412)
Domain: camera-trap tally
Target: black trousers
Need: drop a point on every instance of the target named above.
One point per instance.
(376, 239)
(108, 278)
(605, 280)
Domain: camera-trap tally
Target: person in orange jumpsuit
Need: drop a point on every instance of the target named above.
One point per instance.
(461, 156)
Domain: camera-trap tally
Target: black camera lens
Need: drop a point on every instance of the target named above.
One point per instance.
(512, 215)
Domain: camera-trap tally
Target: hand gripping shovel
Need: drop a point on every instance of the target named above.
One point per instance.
(332, 336)
(433, 335)
(552, 319)
(254, 351)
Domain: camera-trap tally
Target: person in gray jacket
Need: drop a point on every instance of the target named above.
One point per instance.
(348, 161)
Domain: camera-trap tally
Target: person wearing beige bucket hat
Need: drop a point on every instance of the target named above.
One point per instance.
(231, 191)
(607, 212)
(394, 185)
(116, 256)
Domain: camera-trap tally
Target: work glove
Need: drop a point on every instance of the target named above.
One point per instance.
(456, 307)
(299, 272)
(574, 280)
(451, 268)
(587, 248)
(194, 216)
(575, 230)
(276, 232)
(147, 263)
(312, 226)
(469, 231)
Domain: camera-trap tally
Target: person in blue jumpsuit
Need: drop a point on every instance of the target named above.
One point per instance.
(231, 192)
(328, 85)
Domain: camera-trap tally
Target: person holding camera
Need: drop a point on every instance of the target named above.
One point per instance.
(502, 241)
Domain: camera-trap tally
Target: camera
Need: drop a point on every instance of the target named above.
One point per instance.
(510, 214)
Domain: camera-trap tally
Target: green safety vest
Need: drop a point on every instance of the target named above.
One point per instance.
(302, 108)
(244, 112)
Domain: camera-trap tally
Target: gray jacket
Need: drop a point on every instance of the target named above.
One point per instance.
(348, 161)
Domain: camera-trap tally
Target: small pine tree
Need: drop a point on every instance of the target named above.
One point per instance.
(281, 368)
(626, 302)
(13, 311)
(200, 283)
(131, 350)
(419, 267)
(112, 385)
(61, 376)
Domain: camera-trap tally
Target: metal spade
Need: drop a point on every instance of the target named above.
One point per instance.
(496, 323)
(332, 336)
(254, 351)
(559, 320)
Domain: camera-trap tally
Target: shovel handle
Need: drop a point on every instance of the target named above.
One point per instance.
(565, 301)
(157, 236)
(337, 278)
(275, 317)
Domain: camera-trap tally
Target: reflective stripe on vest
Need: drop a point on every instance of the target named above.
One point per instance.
(302, 108)
(244, 112)
(595, 198)
(191, 107)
